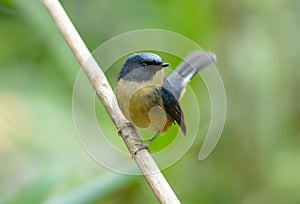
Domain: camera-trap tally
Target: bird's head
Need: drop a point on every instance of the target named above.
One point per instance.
(142, 66)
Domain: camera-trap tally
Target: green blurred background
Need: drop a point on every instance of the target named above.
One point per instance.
(257, 159)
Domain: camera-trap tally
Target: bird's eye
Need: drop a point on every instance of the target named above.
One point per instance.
(144, 63)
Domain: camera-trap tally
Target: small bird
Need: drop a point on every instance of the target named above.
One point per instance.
(147, 98)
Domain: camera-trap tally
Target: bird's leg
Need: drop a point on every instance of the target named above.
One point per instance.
(152, 139)
(146, 146)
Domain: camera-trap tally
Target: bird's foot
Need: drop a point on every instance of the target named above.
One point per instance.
(126, 124)
(141, 147)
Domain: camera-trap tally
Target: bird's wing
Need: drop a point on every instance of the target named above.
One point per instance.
(173, 108)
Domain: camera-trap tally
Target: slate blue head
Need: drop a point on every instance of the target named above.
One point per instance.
(144, 65)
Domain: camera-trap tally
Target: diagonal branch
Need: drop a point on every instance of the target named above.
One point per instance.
(145, 162)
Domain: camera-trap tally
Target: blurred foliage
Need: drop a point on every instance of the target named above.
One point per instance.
(257, 158)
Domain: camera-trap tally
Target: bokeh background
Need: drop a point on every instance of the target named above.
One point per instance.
(257, 159)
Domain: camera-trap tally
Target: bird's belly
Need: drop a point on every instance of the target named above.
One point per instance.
(143, 107)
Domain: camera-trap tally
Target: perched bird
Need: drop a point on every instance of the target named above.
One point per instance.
(147, 98)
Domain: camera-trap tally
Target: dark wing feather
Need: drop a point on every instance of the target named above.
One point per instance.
(173, 108)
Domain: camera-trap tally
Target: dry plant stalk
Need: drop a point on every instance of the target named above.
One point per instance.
(144, 160)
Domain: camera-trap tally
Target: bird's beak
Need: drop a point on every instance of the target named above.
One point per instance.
(165, 64)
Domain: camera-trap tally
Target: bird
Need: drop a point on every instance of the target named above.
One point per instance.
(150, 100)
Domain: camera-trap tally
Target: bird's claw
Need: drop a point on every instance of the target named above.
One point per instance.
(127, 124)
(141, 147)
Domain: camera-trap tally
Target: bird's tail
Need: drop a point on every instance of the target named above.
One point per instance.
(192, 64)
